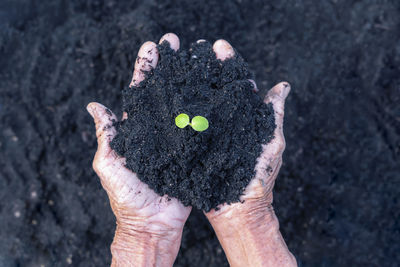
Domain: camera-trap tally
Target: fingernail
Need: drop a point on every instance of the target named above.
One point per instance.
(223, 49)
(172, 39)
(285, 90)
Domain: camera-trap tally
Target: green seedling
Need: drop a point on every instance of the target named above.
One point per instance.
(199, 123)
(182, 120)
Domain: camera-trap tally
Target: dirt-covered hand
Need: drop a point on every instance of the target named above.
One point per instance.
(259, 190)
(146, 222)
(249, 230)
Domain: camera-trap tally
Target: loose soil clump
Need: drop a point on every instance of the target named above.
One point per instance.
(202, 169)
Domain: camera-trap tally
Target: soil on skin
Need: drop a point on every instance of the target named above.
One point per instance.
(337, 194)
(201, 169)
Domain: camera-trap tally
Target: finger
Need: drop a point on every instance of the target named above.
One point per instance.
(255, 88)
(124, 116)
(146, 60)
(277, 96)
(172, 39)
(105, 131)
(223, 50)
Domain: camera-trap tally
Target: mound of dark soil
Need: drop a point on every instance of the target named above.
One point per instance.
(202, 169)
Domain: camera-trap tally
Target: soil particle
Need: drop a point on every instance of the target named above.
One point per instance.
(202, 169)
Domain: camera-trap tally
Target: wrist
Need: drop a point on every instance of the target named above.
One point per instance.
(249, 235)
(141, 247)
(251, 216)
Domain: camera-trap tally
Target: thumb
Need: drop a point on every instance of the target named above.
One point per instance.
(277, 96)
(105, 130)
(270, 159)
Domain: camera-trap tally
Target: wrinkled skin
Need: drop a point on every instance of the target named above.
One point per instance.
(249, 230)
(139, 211)
(130, 198)
(149, 227)
(270, 161)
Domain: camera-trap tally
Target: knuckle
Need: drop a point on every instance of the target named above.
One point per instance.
(282, 145)
(97, 165)
(99, 133)
(277, 146)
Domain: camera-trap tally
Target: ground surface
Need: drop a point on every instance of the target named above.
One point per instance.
(337, 196)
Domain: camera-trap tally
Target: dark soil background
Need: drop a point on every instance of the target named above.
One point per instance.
(337, 195)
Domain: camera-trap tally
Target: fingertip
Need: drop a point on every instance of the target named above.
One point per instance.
(145, 46)
(146, 60)
(99, 111)
(105, 130)
(223, 50)
(91, 108)
(285, 89)
(149, 53)
(172, 39)
(281, 91)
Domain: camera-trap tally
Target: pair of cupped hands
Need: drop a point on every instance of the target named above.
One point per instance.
(149, 226)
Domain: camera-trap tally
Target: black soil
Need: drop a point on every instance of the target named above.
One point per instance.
(337, 194)
(201, 169)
